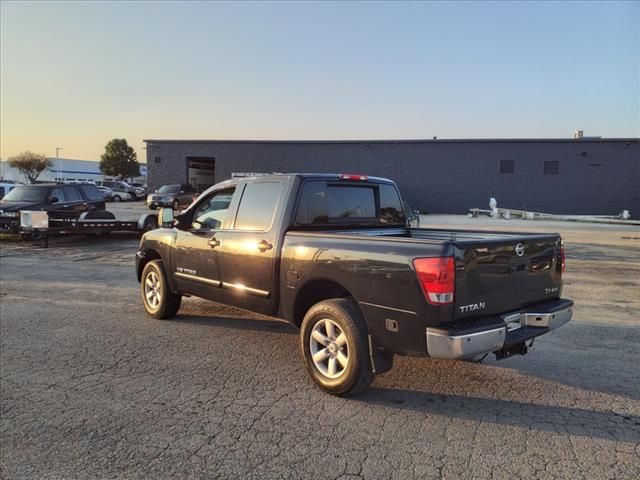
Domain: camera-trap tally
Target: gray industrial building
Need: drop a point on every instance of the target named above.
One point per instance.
(570, 176)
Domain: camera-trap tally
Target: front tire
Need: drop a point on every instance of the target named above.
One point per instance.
(334, 347)
(116, 198)
(158, 299)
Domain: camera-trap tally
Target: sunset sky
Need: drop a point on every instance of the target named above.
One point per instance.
(74, 75)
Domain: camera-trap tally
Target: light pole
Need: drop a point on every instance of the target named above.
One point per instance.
(59, 163)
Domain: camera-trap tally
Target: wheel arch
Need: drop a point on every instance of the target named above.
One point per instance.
(148, 255)
(315, 291)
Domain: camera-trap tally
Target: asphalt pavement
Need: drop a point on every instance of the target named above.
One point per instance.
(92, 388)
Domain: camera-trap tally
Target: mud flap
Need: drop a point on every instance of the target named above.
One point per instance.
(381, 361)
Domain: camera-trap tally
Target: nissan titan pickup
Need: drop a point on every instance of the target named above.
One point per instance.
(334, 256)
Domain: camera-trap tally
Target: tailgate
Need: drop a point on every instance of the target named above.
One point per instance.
(502, 274)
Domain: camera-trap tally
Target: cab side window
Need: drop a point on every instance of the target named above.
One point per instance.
(210, 214)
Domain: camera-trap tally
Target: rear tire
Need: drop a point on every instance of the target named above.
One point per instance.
(116, 198)
(334, 347)
(158, 299)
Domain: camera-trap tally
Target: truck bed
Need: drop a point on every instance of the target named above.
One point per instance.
(491, 276)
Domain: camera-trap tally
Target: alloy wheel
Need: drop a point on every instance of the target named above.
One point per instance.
(329, 348)
(153, 290)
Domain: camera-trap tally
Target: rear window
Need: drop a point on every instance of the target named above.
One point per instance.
(169, 189)
(92, 193)
(326, 202)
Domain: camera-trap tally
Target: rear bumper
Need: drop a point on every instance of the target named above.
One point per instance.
(505, 331)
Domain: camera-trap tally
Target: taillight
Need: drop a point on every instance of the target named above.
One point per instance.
(353, 176)
(563, 258)
(437, 278)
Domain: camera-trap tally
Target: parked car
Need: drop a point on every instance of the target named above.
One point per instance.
(119, 196)
(140, 186)
(60, 200)
(174, 196)
(333, 255)
(107, 192)
(120, 186)
(6, 187)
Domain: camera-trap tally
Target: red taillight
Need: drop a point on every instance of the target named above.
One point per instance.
(354, 176)
(437, 278)
(563, 258)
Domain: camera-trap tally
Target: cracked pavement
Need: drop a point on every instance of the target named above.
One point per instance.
(93, 388)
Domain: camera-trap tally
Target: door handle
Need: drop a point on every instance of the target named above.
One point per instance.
(263, 246)
(213, 243)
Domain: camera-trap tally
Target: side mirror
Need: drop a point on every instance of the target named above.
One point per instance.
(51, 200)
(181, 191)
(165, 217)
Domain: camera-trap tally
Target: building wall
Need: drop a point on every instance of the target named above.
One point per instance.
(441, 176)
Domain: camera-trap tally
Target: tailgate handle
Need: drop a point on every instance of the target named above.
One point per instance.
(214, 242)
(263, 246)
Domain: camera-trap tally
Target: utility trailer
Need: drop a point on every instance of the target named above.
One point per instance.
(38, 225)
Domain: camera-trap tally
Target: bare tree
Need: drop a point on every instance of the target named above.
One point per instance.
(30, 164)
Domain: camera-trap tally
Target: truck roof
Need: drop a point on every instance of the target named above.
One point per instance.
(336, 176)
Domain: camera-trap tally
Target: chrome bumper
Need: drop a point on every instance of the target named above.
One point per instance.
(550, 320)
(442, 343)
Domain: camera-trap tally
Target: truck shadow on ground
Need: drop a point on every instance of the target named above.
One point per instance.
(550, 370)
(529, 416)
(593, 363)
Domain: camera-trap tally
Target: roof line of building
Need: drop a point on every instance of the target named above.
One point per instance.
(443, 140)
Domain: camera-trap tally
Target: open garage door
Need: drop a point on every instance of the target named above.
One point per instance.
(201, 172)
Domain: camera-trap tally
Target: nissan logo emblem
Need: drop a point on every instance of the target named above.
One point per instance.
(520, 249)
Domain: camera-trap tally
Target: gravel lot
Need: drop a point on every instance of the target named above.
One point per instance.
(93, 388)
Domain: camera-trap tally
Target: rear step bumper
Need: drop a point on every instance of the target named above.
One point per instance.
(503, 333)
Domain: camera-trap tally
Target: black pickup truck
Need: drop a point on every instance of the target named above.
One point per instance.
(333, 255)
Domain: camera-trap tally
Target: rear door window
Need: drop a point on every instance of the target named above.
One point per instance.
(258, 206)
(72, 195)
(59, 194)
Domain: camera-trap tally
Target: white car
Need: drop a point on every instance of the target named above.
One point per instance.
(120, 196)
